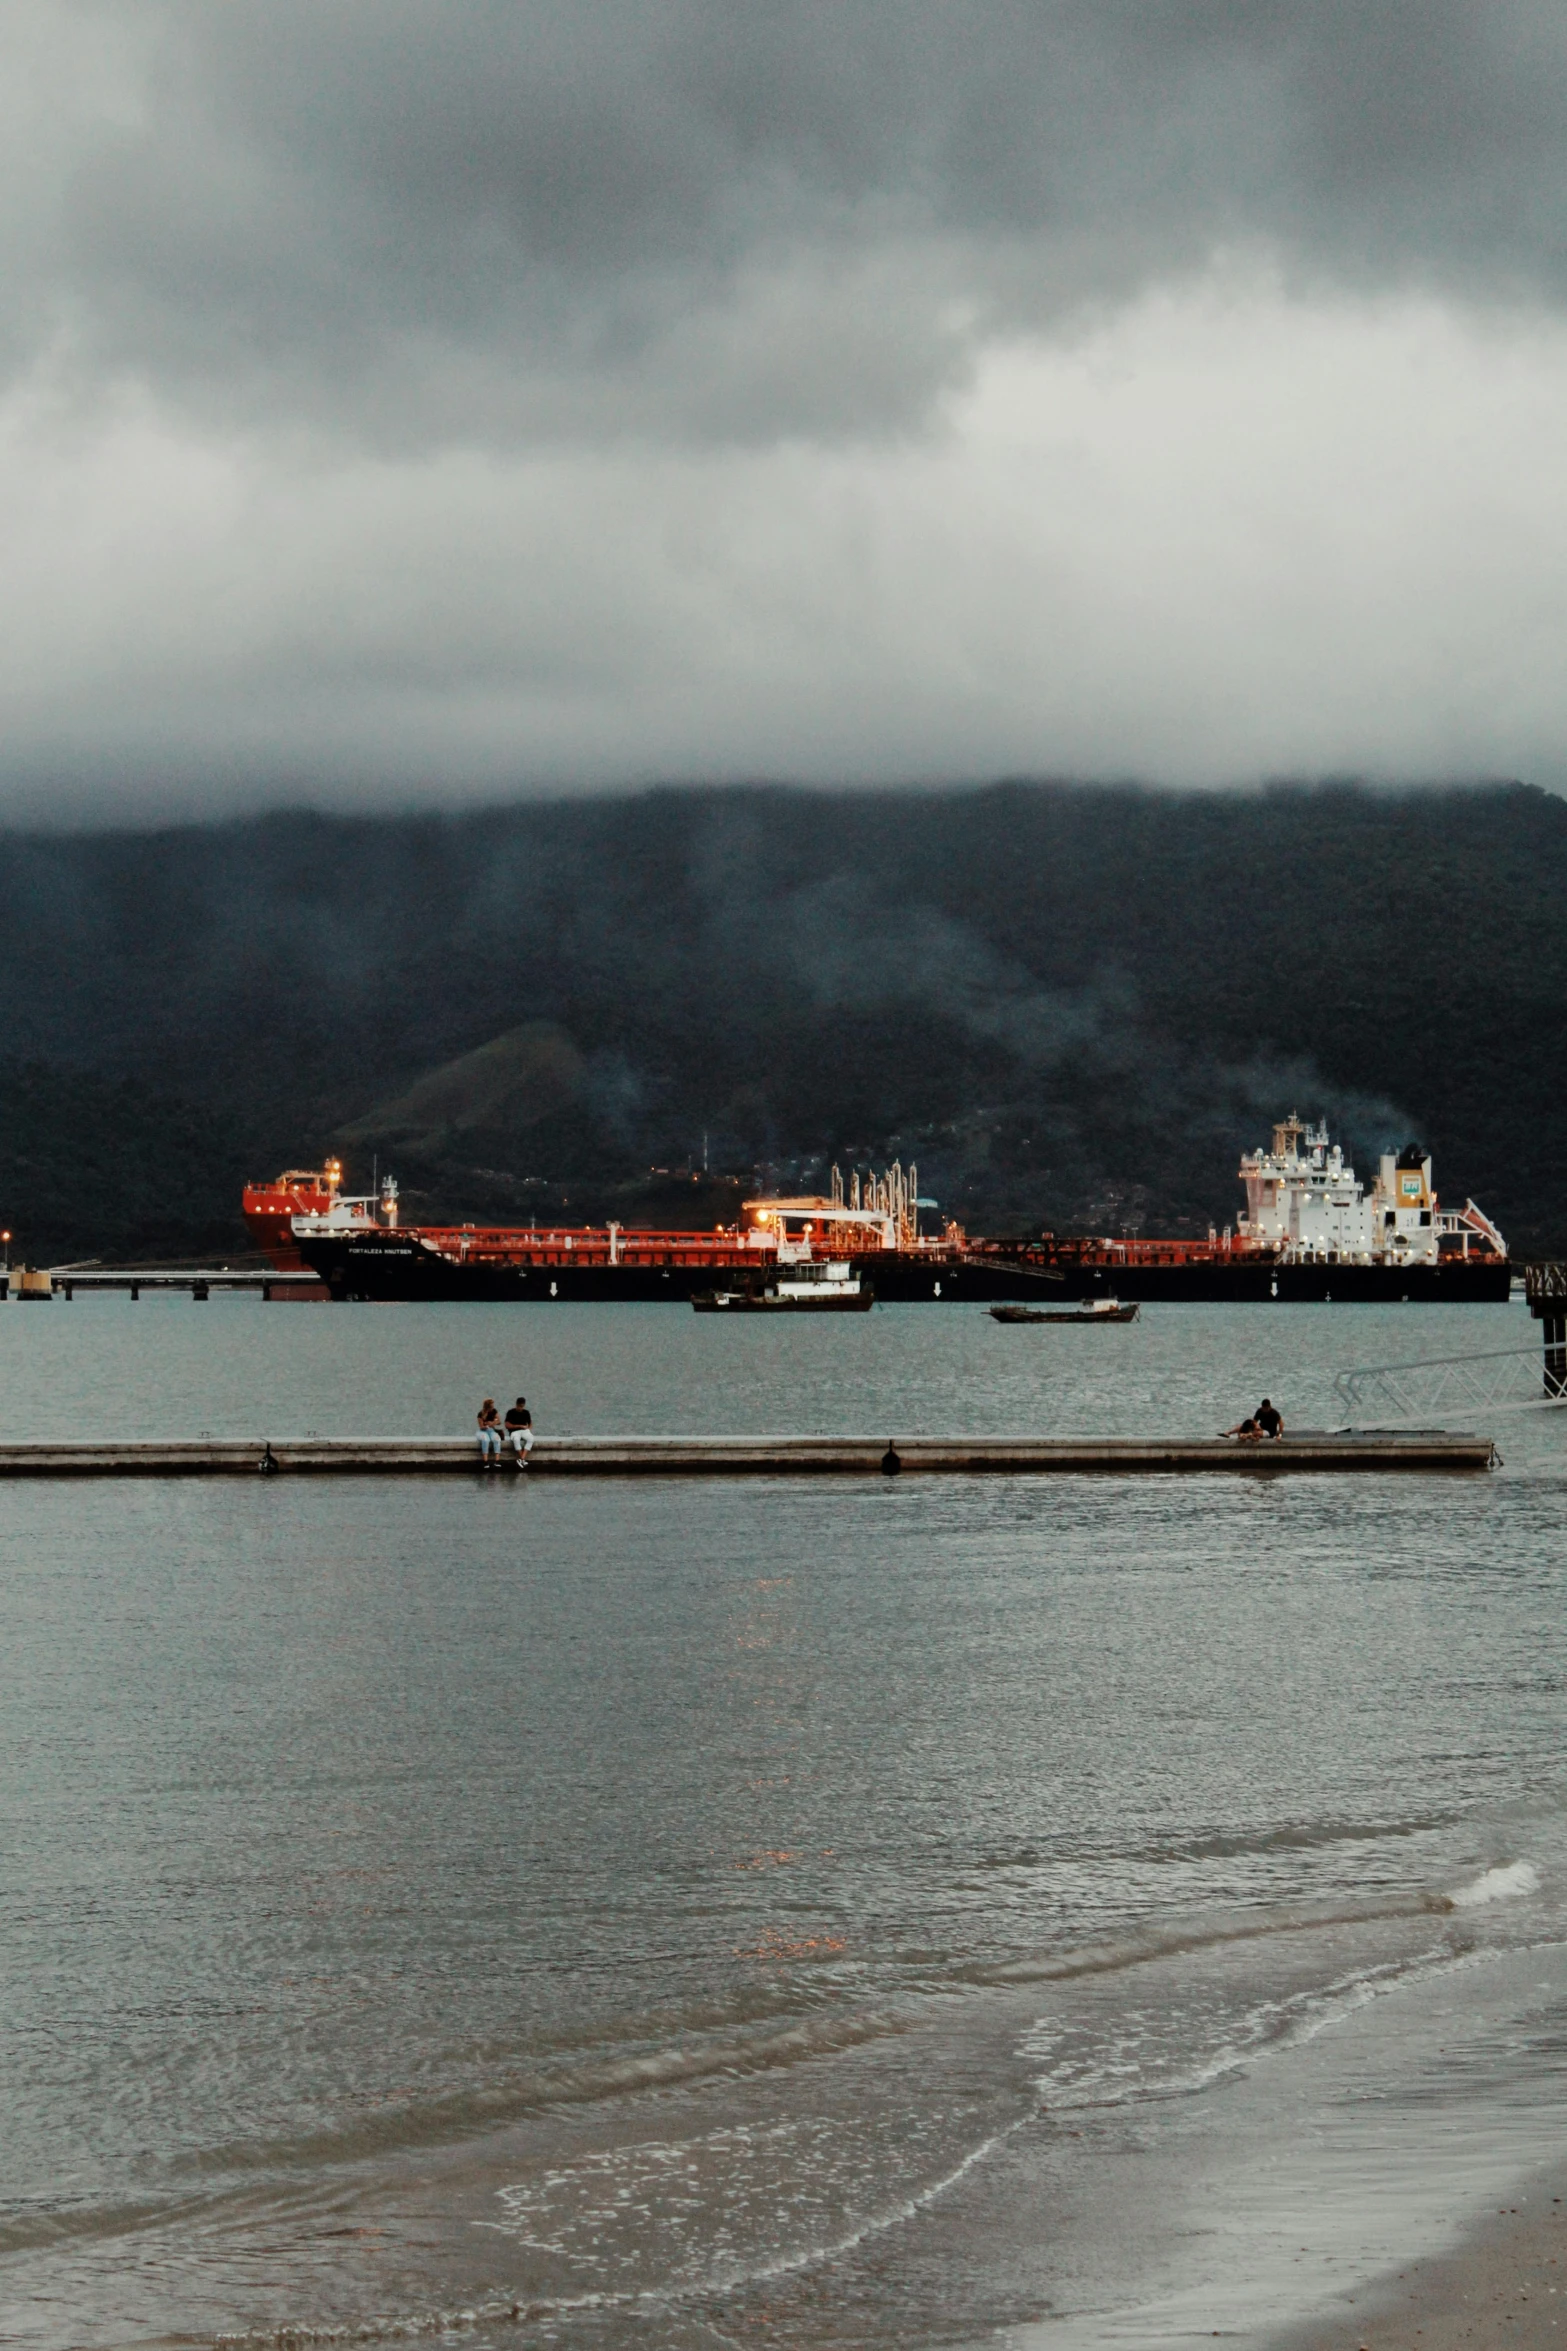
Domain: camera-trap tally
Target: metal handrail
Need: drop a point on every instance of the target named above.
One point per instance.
(1502, 1379)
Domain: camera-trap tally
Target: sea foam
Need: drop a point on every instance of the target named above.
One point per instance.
(1503, 1884)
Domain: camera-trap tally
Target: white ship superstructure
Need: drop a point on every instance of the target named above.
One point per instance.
(1305, 1203)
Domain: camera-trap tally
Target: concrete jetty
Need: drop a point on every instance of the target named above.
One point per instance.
(757, 1456)
(63, 1281)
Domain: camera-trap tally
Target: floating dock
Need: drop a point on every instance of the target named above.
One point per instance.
(761, 1456)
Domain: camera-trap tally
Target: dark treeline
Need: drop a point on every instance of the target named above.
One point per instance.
(1071, 1005)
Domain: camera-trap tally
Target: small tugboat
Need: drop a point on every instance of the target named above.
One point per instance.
(1091, 1310)
(813, 1286)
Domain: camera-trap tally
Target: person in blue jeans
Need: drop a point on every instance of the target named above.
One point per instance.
(489, 1435)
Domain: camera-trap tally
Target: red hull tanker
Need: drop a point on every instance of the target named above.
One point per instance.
(1310, 1233)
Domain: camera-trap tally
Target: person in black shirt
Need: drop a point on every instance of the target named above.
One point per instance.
(1269, 1419)
(519, 1431)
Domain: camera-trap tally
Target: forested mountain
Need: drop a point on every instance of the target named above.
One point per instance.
(1071, 1005)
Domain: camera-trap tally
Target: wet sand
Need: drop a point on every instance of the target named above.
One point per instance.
(1504, 2283)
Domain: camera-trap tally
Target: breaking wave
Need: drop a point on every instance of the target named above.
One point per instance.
(1506, 1883)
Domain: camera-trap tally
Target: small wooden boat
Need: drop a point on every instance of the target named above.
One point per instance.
(1091, 1310)
(813, 1287)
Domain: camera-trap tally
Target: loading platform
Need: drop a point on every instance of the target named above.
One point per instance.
(199, 1281)
(1351, 1450)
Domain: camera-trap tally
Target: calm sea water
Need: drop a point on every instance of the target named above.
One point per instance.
(789, 1912)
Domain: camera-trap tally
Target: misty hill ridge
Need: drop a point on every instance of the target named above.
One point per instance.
(504, 1089)
(1072, 1005)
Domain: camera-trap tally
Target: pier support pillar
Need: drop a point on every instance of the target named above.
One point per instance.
(1553, 1330)
(1545, 1287)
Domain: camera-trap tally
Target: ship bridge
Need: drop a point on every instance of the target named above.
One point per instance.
(1304, 1202)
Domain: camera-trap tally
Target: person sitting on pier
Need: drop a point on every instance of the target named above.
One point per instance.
(1269, 1419)
(519, 1431)
(1247, 1430)
(489, 1434)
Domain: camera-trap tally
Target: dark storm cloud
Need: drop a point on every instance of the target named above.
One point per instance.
(511, 218)
(414, 401)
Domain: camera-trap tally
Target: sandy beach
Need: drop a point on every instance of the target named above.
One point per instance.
(1506, 2282)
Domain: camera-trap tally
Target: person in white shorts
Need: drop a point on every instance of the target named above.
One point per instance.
(519, 1431)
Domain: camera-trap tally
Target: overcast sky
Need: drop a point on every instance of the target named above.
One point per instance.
(420, 402)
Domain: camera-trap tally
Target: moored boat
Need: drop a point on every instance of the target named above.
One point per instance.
(810, 1287)
(1092, 1310)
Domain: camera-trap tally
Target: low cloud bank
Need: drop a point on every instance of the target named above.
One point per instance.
(404, 405)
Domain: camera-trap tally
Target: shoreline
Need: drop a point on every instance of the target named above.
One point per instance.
(1381, 2186)
(1505, 2279)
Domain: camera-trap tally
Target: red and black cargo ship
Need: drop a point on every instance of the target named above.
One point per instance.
(1311, 1234)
